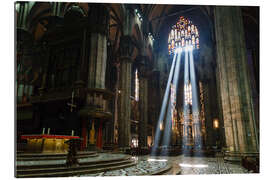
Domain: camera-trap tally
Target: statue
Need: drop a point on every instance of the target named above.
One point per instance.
(73, 145)
(92, 134)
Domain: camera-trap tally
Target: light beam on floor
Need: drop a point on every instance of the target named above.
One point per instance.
(158, 160)
(193, 165)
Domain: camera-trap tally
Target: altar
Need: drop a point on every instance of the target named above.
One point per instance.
(47, 143)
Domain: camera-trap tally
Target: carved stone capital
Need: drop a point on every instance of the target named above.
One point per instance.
(99, 17)
(126, 46)
(143, 66)
(125, 59)
(79, 87)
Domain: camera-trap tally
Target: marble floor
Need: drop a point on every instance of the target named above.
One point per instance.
(147, 165)
(198, 165)
(181, 165)
(143, 167)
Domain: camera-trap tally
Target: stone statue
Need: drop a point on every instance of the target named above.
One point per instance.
(92, 134)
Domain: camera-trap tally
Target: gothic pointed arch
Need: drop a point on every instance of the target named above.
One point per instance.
(74, 8)
(37, 11)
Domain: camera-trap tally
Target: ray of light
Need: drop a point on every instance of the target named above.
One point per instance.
(195, 105)
(186, 106)
(163, 108)
(168, 121)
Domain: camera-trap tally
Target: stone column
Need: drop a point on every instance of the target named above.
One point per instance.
(234, 83)
(157, 101)
(126, 48)
(98, 45)
(97, 63)
(23, 9)
(143, 100)
(56, 8)
(94, 47)
(93, 64)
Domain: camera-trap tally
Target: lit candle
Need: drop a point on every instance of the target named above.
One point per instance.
(216, 124)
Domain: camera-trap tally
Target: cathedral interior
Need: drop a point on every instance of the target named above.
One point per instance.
(146, 82)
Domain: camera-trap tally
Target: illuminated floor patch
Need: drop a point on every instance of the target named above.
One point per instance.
(194, 165)
(158, 160)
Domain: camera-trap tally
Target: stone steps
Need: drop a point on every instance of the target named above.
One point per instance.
(64, 172)
(60, 170)
(53, 158)
(23, 154)
(58, 156)
(164, 171)
(169, 170)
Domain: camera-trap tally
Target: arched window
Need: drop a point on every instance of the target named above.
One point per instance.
(182, 34)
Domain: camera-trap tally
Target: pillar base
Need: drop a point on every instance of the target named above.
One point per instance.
(232, 156)
(92, 147)
(124, 149)
(144, 147)
(237, 156)
(251, 155)
(144, 150)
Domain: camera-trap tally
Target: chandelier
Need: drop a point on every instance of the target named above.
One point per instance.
(183, 34)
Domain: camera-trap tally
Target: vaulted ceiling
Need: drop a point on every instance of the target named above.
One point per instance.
(156, 17)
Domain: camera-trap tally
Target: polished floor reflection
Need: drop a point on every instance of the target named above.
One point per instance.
(197, 165)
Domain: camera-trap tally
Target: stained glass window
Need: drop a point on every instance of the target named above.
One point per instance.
(182, 34)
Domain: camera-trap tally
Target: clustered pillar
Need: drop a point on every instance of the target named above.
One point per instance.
(98, 46)
(143, 101)
(94, 69)
(126, 48)
(232, 74)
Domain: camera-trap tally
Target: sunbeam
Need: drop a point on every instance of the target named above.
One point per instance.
(171, 105)
(163, 108)
(185, 102)
(195, 106)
